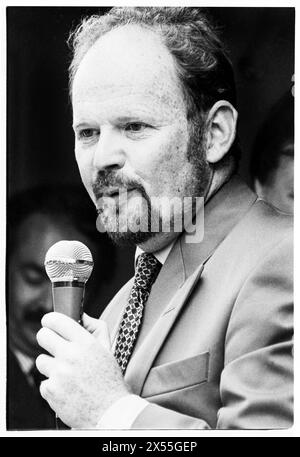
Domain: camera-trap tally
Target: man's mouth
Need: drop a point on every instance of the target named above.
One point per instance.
(115, 191)
(119, 195)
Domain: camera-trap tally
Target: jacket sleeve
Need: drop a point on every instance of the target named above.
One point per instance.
(256, 385)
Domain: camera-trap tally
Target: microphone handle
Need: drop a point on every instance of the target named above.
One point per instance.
(68, 299)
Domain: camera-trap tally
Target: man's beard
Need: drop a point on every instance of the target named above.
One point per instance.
(107, 179)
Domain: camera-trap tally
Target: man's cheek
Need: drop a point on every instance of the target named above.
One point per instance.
(85, 168)
(165, 176)
(86, 178)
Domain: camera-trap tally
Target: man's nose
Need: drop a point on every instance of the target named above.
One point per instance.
(110, 153)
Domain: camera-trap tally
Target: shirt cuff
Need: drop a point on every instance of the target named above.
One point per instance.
(122, 413)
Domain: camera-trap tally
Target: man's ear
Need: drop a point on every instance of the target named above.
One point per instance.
(221, 130)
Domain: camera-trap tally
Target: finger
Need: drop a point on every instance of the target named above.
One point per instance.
(44, 364)
(98, 328)
(102, 334)
(46, 390)
(65, 327)
(89, 323)
(51, 341)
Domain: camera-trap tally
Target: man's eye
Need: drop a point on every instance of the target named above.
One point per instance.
(87, 133)
(135, 127)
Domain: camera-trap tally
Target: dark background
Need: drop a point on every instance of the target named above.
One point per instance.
(39, 132)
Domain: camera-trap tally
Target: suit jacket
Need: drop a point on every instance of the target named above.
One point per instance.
(26, 409)
(215, 347)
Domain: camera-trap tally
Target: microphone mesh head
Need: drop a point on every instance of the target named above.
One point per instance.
(69, 261)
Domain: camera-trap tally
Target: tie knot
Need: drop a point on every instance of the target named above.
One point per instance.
(146, 271)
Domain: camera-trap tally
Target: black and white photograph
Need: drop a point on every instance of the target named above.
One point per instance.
(149, 219)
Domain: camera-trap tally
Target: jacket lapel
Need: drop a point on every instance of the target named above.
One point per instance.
(113, 313)
(140, 365)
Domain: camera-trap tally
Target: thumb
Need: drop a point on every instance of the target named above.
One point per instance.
(98, 328)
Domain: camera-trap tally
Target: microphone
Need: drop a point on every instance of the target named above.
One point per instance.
(69, 265)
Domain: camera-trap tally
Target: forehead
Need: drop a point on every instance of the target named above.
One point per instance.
(128, 64)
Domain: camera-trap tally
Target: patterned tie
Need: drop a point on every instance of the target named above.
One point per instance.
(147, 269)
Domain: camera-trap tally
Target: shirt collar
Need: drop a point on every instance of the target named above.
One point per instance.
(26, 363)
(160, 255)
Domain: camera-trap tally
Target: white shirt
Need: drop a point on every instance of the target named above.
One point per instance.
(122, 414)
(160, 255)
(26, 364)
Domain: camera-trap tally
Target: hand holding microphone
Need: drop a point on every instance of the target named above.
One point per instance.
(69, 265)
(84, 378)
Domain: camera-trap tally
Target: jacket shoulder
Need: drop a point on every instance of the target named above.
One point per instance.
(267, 225)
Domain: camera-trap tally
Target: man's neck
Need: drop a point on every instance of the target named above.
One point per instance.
(158, 242)
(219, 178)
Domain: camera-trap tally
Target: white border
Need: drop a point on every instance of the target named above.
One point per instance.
(295, 430)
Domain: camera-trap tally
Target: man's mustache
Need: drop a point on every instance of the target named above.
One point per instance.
(107, 180)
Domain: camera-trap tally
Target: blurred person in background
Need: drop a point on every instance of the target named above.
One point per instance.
(272, 162)
(37, 219)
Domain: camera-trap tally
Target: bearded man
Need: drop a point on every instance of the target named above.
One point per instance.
(201, 337)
